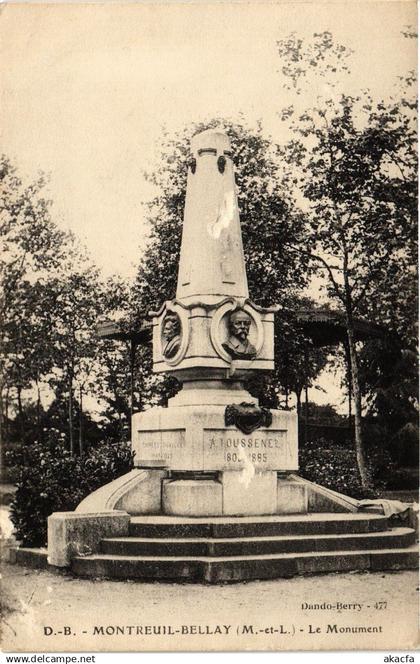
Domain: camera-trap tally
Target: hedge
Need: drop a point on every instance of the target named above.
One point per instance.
(335, 467)
(49, 479)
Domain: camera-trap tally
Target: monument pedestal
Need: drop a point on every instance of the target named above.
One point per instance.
(197, 440)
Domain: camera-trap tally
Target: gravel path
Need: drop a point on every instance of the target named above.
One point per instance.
(51, 612)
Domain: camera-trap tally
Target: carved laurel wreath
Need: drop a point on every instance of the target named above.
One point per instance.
(247, 417)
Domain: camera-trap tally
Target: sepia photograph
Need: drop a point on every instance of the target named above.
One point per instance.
(209, 326)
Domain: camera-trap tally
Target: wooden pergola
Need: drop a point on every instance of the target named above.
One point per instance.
(328, 328)
(141, 336)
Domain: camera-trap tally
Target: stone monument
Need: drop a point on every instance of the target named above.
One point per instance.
(213, 496)
(222, 450)
(212, 451)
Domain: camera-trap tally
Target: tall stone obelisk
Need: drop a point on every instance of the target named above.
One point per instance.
(212, 260)
(219, 452)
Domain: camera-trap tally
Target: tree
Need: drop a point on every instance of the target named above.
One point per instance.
(354, 161)
(321, 57)
(49, 304)
(32, 246)
(74, 343)
(268, 222)
(389, 380)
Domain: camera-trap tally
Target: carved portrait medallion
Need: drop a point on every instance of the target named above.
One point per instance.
(171, 335)
(237, 344)
(236, 331)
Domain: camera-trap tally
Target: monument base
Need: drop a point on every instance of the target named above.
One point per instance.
(186, 540)
(227, 493)
(232, 494)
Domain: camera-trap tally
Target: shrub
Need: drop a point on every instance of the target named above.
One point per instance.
(335, 467)
(405, 479)
(49, 479)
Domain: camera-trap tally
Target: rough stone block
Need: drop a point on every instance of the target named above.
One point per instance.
(292, 497)
(72, 534)
(192, 498)
(33, 558)
(321, 499)
(246, 494)
(137, 492)
(243, 569)
(148, 569)
(328, 562)
(413, 518)
(394, 560)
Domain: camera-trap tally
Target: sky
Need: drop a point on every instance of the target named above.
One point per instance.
(87, 89)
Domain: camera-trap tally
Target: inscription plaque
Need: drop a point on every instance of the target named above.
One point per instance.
(215, 448)
(161, 445)
(266, 449)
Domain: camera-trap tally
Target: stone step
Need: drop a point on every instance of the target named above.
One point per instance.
(221, 527)
(196, 569)
(241, 546)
